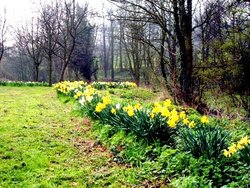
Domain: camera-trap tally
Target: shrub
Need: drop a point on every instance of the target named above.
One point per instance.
(203, 140)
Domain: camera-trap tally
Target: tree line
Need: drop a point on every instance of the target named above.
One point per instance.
(58, 42)
(190, 47)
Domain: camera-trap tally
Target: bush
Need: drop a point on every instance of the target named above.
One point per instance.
(203, 140)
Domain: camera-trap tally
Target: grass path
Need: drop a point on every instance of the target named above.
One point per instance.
(42, 144)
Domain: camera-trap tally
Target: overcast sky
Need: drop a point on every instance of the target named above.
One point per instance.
(19, 11)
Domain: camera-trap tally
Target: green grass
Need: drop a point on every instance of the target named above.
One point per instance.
(42, 144)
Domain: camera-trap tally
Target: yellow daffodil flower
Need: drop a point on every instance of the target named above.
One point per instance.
(171, 123)
(113, 111)
(244, 141)
(183, 115)
(130, 112)
(106, 100)
(204, 119)
(167, 103)
(100, 107)
(165, 112)
(191, 124)
(137, 106)
(185, 121)
(232, 149)
(226, 153)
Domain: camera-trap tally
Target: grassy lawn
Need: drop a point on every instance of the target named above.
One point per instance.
(42, 144)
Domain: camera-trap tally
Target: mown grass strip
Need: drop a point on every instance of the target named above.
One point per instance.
(43, 145)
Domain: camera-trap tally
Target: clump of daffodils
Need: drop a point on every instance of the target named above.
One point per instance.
(241, 144)
(106, 100)
(129, 109)
(104, 85)
(170, 114)
(204, 119)
(68, 87)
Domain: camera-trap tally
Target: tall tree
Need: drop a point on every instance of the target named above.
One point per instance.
(112, 49)
(31, 40)
(104, 51)
(177, 15)
(83, 59)
(69, 29)
(183, 28)
(49, 30)
(3, 31)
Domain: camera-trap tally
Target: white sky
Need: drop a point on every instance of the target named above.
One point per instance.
(19, 11)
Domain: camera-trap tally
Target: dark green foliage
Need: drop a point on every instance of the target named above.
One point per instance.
(162, 162)
(245, 154)
(140, 124)
(203, 140)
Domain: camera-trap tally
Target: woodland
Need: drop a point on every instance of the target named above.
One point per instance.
(145, 93)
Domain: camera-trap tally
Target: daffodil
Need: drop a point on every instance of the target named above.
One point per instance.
(204, 119)
(232, 149)
(106, 100)
(174, 115)
(167, 103)
(89, 98)
(118, 106)
(185, 121)
(130, 112)
(165, 112)
(152, 115)
(82, 101)
(171, 123)
(239, 146)
(137, 106)
(113, 111)
(244, 141)
(183, 115)
(226, 153)
(191, 124)
(99, 107)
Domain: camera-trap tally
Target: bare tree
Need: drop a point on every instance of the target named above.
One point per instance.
(105, 51)
(31, 40)
(175, 20)
(69, 29)
(112, 43)
(49, 31)
(3, 30)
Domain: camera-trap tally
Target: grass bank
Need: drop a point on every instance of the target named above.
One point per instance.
(42, 144)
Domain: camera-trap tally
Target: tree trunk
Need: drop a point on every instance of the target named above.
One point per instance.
(50, 70)
(62, 72)
(120, 48)
(36, 73)
(105, 63)
(183, 27)
(163, 37)
(112, 52)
